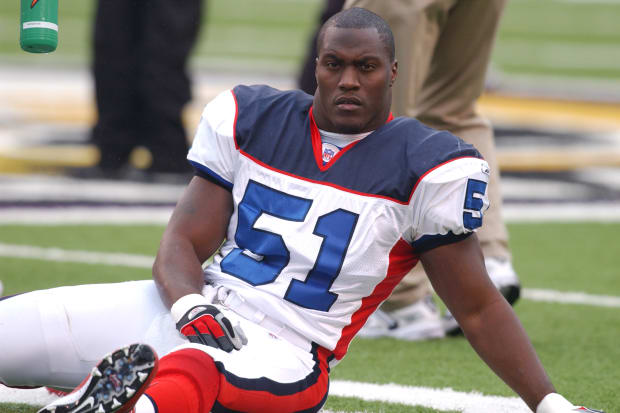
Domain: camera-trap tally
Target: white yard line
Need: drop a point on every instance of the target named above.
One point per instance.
(34, 397)
(85, 215)
(84, 257)
(54, 188)
(567, 297)
(145, 261)
(566, 212)
(439, 399)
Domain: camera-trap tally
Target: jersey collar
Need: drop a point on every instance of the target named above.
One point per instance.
(317, 147)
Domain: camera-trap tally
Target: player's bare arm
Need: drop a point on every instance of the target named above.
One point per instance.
(195, 232)
(458, 275)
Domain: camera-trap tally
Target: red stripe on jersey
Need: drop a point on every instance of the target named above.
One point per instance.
(318, 156)
(315, 135)
(402, 259)
(235, 121)
(341, 188)
(260, 401)
(317, 144)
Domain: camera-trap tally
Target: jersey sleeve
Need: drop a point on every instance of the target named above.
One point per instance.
(213, 153)
(449, 203)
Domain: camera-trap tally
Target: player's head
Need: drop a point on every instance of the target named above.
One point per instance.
(355, 71)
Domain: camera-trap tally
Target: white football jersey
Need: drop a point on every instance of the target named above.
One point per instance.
(317, 247)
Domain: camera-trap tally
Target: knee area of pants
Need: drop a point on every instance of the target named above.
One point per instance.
(189, 362)
(187, 381)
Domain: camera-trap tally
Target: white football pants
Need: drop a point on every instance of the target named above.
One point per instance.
(54, 337)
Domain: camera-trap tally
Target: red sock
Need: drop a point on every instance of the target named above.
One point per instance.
(187, 382)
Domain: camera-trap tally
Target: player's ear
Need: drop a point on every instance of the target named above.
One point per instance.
(394, 72)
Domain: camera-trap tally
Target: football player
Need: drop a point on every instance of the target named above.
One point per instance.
(305, 248)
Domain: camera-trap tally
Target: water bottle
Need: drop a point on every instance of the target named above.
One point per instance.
(38, 31)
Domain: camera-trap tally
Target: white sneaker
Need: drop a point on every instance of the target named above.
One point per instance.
(505, 279)
(419, 321)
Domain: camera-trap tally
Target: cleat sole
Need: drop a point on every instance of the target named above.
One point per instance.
(114, 385)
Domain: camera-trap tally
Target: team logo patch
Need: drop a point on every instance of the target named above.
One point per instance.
(329, 151)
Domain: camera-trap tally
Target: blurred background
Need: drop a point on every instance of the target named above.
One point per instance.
(553, 89)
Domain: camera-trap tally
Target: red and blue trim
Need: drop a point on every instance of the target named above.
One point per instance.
(239, 394)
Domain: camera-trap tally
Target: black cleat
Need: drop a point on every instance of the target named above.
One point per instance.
(114, 385)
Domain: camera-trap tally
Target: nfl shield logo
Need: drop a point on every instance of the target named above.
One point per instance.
(328, 154)
(329, 151)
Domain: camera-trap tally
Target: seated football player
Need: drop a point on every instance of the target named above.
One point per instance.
(313, 209)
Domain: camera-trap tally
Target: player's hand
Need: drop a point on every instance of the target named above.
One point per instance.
(555, 403)
(203, 323)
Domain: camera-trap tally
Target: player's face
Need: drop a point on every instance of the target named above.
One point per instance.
(354, 75)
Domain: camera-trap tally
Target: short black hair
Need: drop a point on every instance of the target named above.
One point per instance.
(359, 18)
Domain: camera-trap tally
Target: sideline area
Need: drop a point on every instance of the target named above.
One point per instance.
(552, 153)
(45, 116)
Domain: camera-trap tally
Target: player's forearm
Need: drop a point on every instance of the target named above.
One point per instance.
(195, 232)
(177, 270)
(499, 338)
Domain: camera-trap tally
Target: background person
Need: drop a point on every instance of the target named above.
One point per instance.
(140, 54)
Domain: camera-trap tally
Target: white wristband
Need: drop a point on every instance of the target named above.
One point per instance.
(554, 403)
(183, 304)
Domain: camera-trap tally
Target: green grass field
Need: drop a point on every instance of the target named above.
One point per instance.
(549, 38)
(577, 343)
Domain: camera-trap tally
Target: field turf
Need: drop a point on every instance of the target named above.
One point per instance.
(577, 343)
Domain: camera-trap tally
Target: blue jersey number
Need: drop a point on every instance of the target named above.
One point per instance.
(473, 203)
(262, 255)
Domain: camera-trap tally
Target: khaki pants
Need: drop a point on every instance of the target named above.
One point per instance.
(443, 48)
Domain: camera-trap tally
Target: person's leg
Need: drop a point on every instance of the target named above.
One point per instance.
(115, 70)
(169, 32)
(187, 381)
(54, 337)
(447, 99)
(410, 313)
(268, 374)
